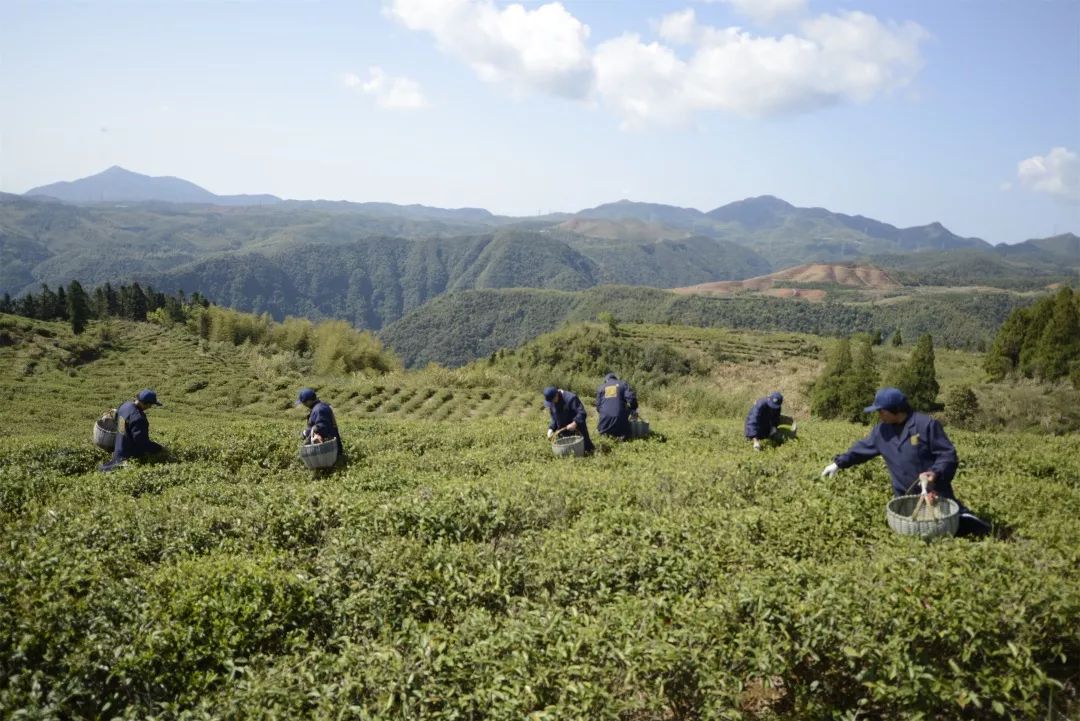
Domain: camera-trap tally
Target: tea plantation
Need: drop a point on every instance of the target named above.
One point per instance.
(456, 570)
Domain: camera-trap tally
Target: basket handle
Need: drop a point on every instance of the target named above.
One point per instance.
(559, 434)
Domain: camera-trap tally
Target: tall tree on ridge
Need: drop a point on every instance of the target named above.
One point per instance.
(918, 377)
(78, 307)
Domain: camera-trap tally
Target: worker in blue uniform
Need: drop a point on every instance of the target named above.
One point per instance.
(764, 419)
(915, 448)
(133, 430)
(615, 403)
(321, 424)
(567, 414)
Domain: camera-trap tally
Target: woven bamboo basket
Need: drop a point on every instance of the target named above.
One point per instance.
(319, 455)
(568, 446)
(105, 431)
(942, 519)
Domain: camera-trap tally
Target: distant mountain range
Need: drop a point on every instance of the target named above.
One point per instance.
(373, 262)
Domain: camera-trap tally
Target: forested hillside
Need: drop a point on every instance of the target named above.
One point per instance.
(1028, 265)
(43, 240)
(456, 328)
(46, 241)
(373, 263)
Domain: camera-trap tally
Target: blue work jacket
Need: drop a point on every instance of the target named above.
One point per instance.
(570, 410)
(132, 433)
(919, 444)
(321, 419)
(614, 402)
(762, 419)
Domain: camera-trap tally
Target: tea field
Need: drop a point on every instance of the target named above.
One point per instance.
(455, 569)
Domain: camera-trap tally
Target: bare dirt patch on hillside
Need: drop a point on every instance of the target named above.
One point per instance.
(848, 275)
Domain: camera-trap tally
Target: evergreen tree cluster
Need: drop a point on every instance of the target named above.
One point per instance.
(918, 377)
(1041, 341)
(334, 347)
(848, 384)
(844, 387)
(75, 305)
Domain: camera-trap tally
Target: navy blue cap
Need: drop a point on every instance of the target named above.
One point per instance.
(148, 397)
(775, 399)
(306, 394)
(549, 393)
(888, 399)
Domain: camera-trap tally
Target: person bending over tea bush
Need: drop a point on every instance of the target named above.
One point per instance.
(321, 424)
(133, 430)
(764, 419)
(915, 447)
(616, 402)
(567, 414)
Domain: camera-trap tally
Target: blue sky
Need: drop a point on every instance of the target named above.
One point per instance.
(962, 112)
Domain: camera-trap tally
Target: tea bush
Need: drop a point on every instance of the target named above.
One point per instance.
(455, 569)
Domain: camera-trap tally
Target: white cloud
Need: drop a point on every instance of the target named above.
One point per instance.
(765, 10)
(680, 27)
(391, 93)
(832, 59)
(543, 49)
(1056, 173)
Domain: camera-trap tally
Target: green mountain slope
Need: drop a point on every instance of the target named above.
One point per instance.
(667, 263)
(56, 242)
(374, 281)
(1057, 249)
(456, 328)
(977, 267)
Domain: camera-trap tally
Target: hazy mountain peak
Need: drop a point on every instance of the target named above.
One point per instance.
(120, 185)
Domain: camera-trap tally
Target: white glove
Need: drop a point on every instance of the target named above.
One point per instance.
(757, 445)
(830, 470)
(550, 432)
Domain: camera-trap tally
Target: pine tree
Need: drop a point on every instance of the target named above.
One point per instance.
(862, 384)
(1059, 342)
(27, 306)
(7, 305)
(830, 389)
(1004, 355)
(48, 305)
(918, 377)
(112, 301)
(98, 303)
(897, 341)
(1039, 316)
(961, 407)
(78, 307)
(132, 302)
